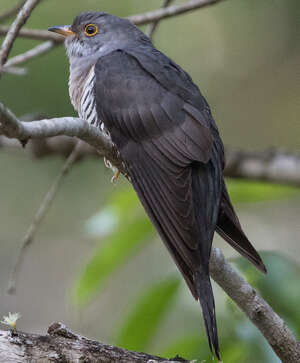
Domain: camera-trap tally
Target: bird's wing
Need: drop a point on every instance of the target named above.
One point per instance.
(169, 151)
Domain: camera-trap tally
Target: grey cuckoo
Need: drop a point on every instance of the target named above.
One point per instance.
(165, 133)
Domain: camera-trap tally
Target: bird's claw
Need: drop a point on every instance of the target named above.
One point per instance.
(115, 176)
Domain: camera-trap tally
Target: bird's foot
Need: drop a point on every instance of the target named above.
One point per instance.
(115, 176)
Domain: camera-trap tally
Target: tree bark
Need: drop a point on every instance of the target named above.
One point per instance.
(63, 346)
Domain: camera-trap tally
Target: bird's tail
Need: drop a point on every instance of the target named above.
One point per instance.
(207, 302)
(228, 226)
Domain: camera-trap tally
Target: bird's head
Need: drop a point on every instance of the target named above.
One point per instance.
(93, 34)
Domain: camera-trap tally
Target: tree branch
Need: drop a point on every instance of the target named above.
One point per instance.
(272, 165)
(63, 345)
(17, 71)
(41, 213)
(11, 127)
(14, 29)
(32, 53)
(139, 19)
(151, 28)
(274, 329)
(36, 34)
(170, 11)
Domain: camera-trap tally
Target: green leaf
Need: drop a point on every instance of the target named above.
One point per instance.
(122, 244)
(243, 191)
(147, 314)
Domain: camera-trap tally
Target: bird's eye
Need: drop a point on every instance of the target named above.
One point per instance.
(90, 30)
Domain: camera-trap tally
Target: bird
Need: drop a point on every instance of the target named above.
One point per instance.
(167, 138)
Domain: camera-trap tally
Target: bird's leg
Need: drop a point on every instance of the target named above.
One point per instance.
(115, 176)
(116, 171)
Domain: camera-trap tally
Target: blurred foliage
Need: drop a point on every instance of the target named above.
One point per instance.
(244, 191)
(124, 229)
(130, 229)
(147, 314)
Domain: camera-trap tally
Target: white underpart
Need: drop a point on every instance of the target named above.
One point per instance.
(83, 100)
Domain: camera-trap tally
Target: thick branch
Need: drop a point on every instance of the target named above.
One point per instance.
(55, 146)
(273, 166)
(274, 329)
(139, 19)
(62, 345)
(11, 127)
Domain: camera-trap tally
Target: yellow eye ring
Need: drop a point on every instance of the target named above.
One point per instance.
(90, 30)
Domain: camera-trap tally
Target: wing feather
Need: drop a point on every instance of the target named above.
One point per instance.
(166, 142)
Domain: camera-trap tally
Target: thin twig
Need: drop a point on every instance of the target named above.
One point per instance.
(170, 11)
(139, 19)
(40, 215)
(11, 12)
(153, 26)
(36, 34)
(17, 71)
(32, 53)
(14, 29)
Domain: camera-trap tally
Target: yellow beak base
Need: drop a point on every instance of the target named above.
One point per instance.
(64, 30)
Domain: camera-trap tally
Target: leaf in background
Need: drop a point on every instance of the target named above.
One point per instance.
(243, 191)
(122, 207)
(122, 244)
(147, 314)
(125, 227)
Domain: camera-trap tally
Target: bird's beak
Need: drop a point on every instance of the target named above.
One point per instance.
(64, 30)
